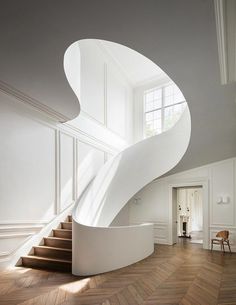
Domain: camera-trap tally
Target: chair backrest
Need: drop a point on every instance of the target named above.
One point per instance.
(223, 234)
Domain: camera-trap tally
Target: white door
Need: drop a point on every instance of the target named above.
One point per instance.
(174, 215)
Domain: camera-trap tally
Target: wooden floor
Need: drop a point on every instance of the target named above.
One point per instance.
(181, 274)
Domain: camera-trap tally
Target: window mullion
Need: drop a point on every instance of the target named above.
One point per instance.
(162, 109)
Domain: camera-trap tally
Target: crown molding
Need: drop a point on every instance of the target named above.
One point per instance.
(221, 38)
(22, 97)
(225, 16)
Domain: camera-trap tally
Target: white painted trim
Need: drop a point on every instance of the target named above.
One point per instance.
(109, 56)
(230, 224)
(39, 106)
(43, 118)
(74, 192)
(205, 187)
(89, 139)
(220, 16)
(157, 227)
(225, 15)
(57, 172)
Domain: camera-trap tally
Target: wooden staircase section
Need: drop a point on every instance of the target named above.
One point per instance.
(55, 253)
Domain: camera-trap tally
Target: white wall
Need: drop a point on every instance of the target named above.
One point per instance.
(45, 166)
(106, 96)
(153, 200)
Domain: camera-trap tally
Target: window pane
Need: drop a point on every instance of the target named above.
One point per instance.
(158, 94)
(157, 114)
(149, 96)
(157, 125)
(169, 100)
(156, 104)
(149, 116)
(169, 90)
(149, 106)
(171, 115)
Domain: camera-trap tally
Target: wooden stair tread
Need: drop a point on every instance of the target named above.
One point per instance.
(56, 251)
(53, 248)
(62, 230)
(58, 238)
(56, 260)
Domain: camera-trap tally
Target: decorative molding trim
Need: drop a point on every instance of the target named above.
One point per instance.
(91, 140)
(22, 97)
(158, 228)
(109, 56)
(220, 16)
(105, 94)
(33, 237)
(73, 171)
(9, 231)
(225, 15)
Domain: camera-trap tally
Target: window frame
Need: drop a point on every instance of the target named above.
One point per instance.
(162, 108)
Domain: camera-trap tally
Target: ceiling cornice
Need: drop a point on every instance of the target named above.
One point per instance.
(225, 15)
(22, 97)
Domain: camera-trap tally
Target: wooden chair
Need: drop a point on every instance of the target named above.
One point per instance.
(223, 239)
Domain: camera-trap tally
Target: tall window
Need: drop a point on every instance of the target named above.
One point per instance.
(163, 107)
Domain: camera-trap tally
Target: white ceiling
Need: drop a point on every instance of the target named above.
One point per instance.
(137, 68)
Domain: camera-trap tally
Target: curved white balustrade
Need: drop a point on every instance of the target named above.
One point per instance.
(99, 248)
(104, 249)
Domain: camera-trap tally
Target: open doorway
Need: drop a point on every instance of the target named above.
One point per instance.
(199, 226)
(190, 213)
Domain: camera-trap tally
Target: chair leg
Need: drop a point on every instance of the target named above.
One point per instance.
(229, 246)
(211, 245)
(223, 246)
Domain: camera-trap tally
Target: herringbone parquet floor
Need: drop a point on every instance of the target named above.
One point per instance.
(182, 274)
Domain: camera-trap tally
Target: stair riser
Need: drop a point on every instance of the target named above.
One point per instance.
(67, 244)
(62, 233)
(53, 253)
(67, 226)
(31, 263)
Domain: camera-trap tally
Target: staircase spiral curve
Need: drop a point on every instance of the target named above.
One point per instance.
(99, 247)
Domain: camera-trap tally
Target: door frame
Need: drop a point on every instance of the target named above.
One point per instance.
(204, 183)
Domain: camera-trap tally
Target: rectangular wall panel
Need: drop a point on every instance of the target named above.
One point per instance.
(92, 81)
(90, 160)
(27, 166)
(116, 104)
(66, 170)
(222, 186)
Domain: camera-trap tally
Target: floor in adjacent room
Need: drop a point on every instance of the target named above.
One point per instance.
(181, 274)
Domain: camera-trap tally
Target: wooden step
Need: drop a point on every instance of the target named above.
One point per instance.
(58, 242)
(66, 225)
(62, 233)
(39, 262)
(52, 252)
(69, 218)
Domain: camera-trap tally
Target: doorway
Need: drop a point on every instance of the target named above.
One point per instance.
(189, 213)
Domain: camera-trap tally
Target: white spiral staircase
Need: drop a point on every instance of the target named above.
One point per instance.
(97, 247)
